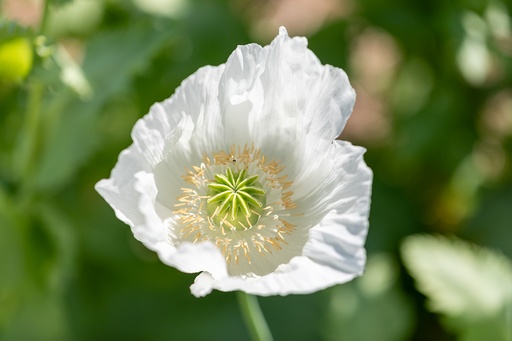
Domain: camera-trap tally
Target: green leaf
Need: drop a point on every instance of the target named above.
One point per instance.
(77, 17)
(469, 285)
(355, 311)
(111, 62)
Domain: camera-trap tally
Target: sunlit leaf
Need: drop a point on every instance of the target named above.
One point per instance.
(166, 8)
(77, 17)
(471, 286)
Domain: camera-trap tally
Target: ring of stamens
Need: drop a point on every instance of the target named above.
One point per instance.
(240, 201)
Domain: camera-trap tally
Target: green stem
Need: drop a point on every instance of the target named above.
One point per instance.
(30, 133)
(253, 317)
(44, 19)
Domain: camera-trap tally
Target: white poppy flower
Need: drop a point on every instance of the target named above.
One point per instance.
(238, 175)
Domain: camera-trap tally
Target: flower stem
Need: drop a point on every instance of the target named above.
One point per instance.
(253, 317)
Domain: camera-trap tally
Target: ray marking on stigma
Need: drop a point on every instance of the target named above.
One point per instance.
(206, 211)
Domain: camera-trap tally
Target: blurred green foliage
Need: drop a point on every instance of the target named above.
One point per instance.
(434, 82)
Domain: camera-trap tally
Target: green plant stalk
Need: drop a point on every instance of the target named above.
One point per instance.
(27, 153)
(253, 317)
(44, 19)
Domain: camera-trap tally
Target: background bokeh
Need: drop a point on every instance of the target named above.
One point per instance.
(434, 110)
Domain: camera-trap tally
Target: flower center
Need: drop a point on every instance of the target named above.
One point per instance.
(236, 200)
(239, 200)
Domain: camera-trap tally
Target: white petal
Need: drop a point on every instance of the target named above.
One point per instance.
(340, 181)
(353, 180)
(296, 85)
(192, 111)
(300, 276)
(282, 90)
(338, 242)
(192, 258)
(153, 232)
(238, 88)
(197, 97)
(196, 101)
(119, 190)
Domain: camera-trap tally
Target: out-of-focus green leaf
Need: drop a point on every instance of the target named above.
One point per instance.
(372, 307)
(471, 286)
(77, 17)
(165, 8)
(112, 60)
